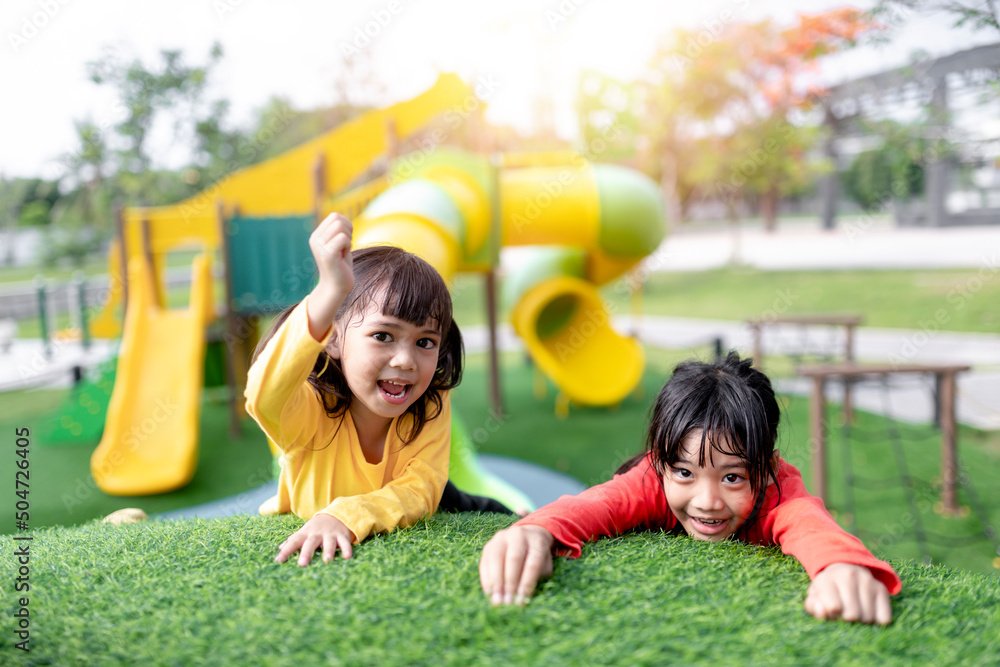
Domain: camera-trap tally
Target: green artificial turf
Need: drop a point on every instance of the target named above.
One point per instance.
(63, 492)
(208, 592)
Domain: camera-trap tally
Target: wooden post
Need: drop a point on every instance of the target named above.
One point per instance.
(319, 187)
(849, 358)
(147, 251)
(496, 395)
(391, 140)
(817, 421)
(230, 342)
(496, 400)
(123, 251)
(758, 345)
(949, 453)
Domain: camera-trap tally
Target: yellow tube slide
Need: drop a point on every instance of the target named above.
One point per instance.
(592, 224)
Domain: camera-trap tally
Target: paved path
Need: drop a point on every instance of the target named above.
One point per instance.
(857, 243)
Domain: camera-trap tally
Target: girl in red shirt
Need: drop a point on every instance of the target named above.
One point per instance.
(710, 470)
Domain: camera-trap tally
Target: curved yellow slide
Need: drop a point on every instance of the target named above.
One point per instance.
(585, 357)
(150, 442)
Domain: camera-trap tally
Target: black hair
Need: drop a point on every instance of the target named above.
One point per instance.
(413, 291)
(732, 404)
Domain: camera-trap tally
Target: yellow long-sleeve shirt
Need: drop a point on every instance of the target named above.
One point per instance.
(324, 468)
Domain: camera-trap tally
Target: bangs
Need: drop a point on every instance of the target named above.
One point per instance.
(408, 288)
(417, 297)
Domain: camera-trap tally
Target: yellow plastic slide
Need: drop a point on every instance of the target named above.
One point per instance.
(150, 442)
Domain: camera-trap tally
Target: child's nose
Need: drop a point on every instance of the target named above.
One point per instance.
(708, 498)
(403, 358)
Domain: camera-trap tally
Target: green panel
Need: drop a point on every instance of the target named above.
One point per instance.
(633, 222)
(270, 264)
(424, 198)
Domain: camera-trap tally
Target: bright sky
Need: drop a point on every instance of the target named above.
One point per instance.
(524, 47)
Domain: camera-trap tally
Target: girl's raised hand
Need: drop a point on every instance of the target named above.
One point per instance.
(330, 244)
(848, 592)
(320, 532)
(513, 561)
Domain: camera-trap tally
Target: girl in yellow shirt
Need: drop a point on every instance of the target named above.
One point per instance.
(352, 386)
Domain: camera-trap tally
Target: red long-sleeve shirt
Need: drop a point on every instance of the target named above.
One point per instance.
(798, 522)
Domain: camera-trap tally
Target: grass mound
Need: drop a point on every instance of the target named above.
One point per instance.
(208, 592)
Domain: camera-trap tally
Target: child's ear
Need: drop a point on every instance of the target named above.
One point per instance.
(333, 344)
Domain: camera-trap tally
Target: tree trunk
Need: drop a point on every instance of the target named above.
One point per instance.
(769, 209)
(668, 186)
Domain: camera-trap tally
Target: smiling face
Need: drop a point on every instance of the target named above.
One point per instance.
(388, 362)
(710, 501)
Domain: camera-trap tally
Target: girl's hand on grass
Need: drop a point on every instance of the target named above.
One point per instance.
(513, 561)
(321, 531)
(330, 244)
(848, 592)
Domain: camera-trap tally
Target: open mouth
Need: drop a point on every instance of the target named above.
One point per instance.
(709, 526)
(394, 392)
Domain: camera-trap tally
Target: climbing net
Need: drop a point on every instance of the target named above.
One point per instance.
(920, 524)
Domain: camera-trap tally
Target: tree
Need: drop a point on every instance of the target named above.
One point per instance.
(975, 14)
(609, 112)
(145, 95)
(730, 108)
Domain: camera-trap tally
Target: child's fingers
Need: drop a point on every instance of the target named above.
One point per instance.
(288, 547)
(329, 548)
(346, 548)
(866, 601)
(331, 224)
(883, 607)
(513, 567)
(823, 601)
(309, 546)
(537, 564)
(491, 569)
(850, 599)
(339, 245)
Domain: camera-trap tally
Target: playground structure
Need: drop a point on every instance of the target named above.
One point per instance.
(586, 225)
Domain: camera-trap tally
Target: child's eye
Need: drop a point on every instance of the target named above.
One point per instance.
(382, 336)
(427, 343)
(682, 473)
(733, 478)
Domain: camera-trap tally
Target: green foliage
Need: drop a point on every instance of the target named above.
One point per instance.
(610, 117)
(895, 170)
(145, 92)
(208, 592)
(973, 14)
